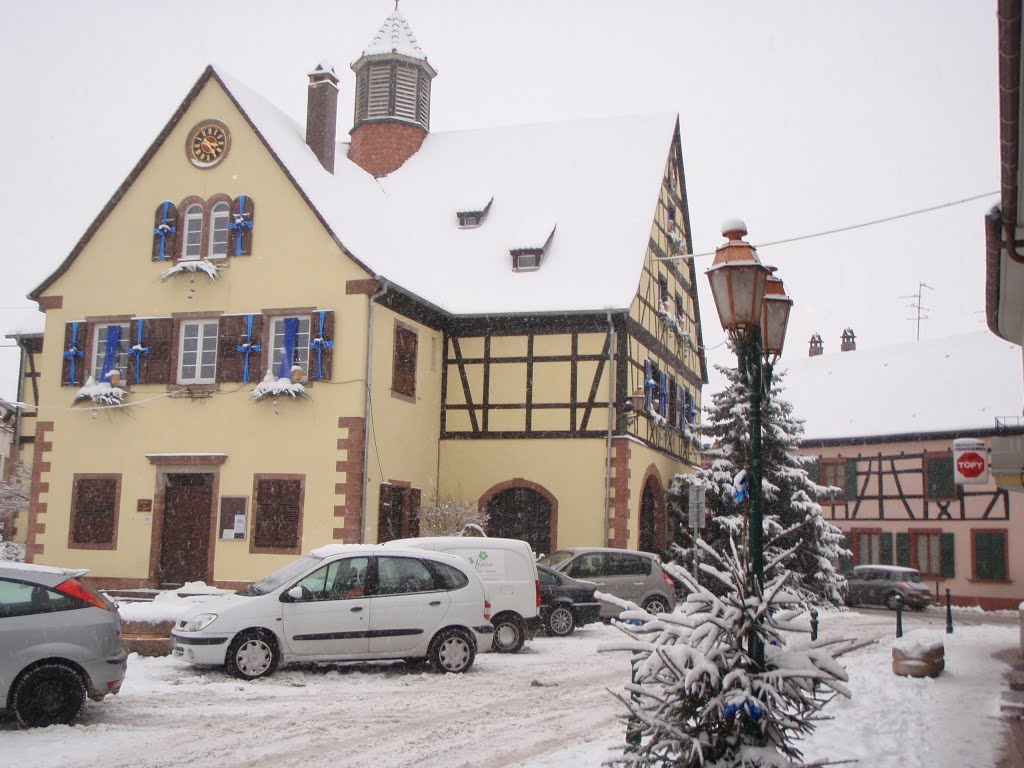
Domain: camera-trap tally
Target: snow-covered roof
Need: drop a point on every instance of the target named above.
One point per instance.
(595, 182)
(395, 36)
(956, 383)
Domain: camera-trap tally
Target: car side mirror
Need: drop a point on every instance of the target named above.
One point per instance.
(295, 593)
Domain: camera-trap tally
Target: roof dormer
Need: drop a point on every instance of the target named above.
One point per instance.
(473, 216)
(529, 258)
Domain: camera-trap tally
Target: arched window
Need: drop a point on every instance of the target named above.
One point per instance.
(521, 513)
(192, 244)
(219, 229)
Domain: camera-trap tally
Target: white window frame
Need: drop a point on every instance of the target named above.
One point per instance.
(192, 224)
(302, 340)
(220, 215)
(99, 351)
(206, 341)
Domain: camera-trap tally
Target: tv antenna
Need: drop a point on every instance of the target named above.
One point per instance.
(916, 305)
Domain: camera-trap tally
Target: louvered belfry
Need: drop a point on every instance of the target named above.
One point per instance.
(392, 99)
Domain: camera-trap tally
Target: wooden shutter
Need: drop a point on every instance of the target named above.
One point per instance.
(990, 556)
(158, 338)
(846, 563)
(233, 333)
(165, 223)
(903, 549)
(94, 511)
(241, 224)
(403, 375)
(326, 352)
(277, 514)
(385, 527)
(850, 485)
(413, 520)
(74, 345)
(947, 563)
(885, 548)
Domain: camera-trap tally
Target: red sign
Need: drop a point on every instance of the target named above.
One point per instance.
(970, 464)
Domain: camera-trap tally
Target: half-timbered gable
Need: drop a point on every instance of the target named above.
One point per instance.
(880, 430)
(269, 339)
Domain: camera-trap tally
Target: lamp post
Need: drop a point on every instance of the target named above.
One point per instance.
(754, 310)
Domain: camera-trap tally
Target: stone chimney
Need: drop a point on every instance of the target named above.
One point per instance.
(322, 114)
(392, 99)
(849, 341)
(816, 346)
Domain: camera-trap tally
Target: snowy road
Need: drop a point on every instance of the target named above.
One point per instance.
(547, 706)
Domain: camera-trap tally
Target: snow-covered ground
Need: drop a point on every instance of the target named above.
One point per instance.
(548, 706)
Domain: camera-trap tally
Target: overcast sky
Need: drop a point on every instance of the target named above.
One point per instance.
(798, 117)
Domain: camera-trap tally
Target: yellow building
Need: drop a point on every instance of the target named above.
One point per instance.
(270, 339)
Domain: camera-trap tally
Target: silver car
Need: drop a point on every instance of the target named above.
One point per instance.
(60, 641)
(625, 573)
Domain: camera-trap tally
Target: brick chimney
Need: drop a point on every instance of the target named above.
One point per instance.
(849, 341)
(322, 114)
(816, 346)
(392, 99)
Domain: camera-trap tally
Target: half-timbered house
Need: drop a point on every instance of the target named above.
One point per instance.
(881, 425)
(271, 338)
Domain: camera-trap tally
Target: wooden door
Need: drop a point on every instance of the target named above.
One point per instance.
(185, 539)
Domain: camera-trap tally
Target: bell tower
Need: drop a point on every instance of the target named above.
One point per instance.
(392, 99)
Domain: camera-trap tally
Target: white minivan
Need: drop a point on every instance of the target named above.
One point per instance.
(344, 602)
(508, 568)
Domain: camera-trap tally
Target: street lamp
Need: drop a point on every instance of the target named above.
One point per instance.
(754, 309)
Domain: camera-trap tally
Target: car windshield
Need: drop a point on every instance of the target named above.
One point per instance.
(912, 576)
(555, 558)
(281, 576)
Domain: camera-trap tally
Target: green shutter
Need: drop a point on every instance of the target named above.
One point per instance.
(990, 556)
(940, 477)
(948, 561)
(903, 549)
(846, 563)
(885, 548)
(813, 471)
(850, 487)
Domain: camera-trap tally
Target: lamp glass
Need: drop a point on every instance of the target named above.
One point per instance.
(738, 290)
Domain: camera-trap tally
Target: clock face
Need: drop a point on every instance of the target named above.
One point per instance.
(208, 143)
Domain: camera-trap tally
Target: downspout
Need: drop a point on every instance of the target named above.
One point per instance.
(367, 412)
(1009, 17)
(611, 427)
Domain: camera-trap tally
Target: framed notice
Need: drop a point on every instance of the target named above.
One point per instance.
(232, 517)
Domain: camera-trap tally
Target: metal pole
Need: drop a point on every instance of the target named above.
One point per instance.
(899, 616)
(949, 614)
(814, 624)
(749, 354)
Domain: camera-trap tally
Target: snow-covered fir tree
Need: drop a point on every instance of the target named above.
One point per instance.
(793, 519)
(699, 698)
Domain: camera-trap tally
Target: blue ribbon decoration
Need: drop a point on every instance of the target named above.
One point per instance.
(649, 385)
(750, 708)
(663, 394)
(138, 351)
(248, 347)
(684, 408)
(110, 353)
(320, 344)
(291, 328)
(163, 231)
(740, 487)
(72, 352)
(239, 224)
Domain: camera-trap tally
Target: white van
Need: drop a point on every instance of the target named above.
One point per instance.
(508, 569)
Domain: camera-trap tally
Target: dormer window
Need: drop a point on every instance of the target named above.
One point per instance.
(528, 259)
(472, 218)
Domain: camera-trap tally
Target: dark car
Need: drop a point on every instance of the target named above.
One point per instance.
(565, 602)
(882, 584)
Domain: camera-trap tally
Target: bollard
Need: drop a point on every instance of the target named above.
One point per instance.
(814, 625)
(937, 600)
(949, 614)
(899, 615)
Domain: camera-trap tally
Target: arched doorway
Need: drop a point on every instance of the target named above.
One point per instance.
(652, 517)
(521, 513)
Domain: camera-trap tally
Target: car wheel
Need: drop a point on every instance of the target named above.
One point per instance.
(561, 622)
(252, 654)
(655, 605)
(508, 633)
(49, 694)
(451, 651)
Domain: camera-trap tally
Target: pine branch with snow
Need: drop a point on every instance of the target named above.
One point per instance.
(274, 387)
(104, 393)
(449, 516)
(191, 267)
(793, 520)
(698, 698)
